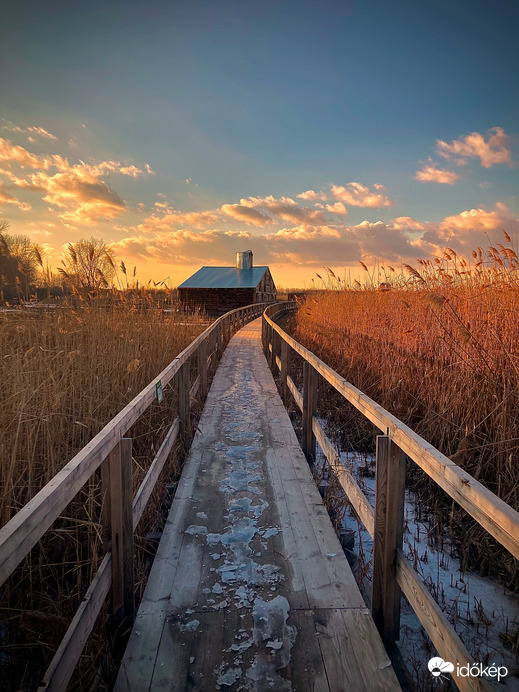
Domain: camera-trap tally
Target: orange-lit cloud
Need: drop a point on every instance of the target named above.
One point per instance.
(240, 212)
(467, 230)
(86, 198)
(7, 198)
(286, 209)
(200, 220)
(32, 132)
(337, 208)
(312, 196)
(361, 196)
(77, 189)
(491, 151)
(408, 223)
(475, 220)
(312, 246)
(13, 153)
(431, 174)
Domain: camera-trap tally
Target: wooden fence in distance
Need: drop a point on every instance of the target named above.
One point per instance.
(121, 512)
(393, 574)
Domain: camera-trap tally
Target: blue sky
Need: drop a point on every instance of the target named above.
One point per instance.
(157, 125)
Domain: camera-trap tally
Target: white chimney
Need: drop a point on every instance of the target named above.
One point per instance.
(244, 260)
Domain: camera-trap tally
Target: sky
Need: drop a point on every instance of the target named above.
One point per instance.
(316, 134)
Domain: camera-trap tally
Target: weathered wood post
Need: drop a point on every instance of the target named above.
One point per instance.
(202, 368)
(389, 519)
(276, 339)
(219, 348)
(117, 527)
(309, 407)
(182, 379)
(270, 347)
(227, 324)
(284, 370)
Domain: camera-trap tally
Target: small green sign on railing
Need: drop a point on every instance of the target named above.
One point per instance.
(158, 389)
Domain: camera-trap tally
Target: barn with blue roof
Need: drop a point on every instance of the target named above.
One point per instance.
(220, 289)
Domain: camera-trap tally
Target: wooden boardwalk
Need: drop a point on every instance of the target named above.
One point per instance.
(250, 589)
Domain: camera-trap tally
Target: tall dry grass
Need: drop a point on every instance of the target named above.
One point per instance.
(63, 375)
(438, 346)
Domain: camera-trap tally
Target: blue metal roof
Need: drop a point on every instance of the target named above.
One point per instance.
(225, 277)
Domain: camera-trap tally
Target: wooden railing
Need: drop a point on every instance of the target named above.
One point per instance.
(392, 572)
(121, 513)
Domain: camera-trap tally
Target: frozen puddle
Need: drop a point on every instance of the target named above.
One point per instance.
(244, 580)
(479, 609)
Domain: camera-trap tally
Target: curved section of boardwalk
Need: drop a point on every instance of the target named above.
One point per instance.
(250, 589)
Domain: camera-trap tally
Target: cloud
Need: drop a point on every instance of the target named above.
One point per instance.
(13, 153)
(200, 220)
(337, 208)
(491, 151)
(408, 223)
(361, 196)
(316, 245)
(312, 196)
(431, 174)
(475, 220)
(32, 131)
(40, 132)
(241, 212)
(78, 189)
(7, 198)
(187, 247)
(86, 198)
(467, 230)
(286, 209)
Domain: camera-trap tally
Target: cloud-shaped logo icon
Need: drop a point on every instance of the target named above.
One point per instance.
(438, 666)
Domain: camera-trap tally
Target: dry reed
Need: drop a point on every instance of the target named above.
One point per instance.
(437, 347)
(63, 375)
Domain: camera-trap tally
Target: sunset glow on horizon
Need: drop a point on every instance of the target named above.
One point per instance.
(316, 135)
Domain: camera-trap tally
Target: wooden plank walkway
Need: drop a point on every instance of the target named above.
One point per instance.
(250, 589)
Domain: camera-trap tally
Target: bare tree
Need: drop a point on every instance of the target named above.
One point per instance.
(88, 264)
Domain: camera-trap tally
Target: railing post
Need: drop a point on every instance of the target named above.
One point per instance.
(202, 368)
(284, 370)
(275, 349)
(309, 408)
(389, 518)
(118, 521)
(227, 328)
(183, 404)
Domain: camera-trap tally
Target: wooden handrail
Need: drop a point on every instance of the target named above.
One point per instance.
(393, 570)
(121, 513)
(25, 529)
(497, 517)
